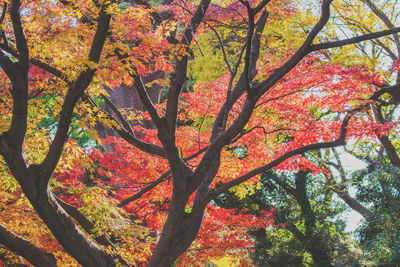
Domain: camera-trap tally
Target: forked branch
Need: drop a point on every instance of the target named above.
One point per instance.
(123, 128)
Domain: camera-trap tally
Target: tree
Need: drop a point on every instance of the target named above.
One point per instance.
(79, 47)
(306, 229)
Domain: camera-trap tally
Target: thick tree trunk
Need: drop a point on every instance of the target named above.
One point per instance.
(319, 253)
(180, 229)
(170, 245)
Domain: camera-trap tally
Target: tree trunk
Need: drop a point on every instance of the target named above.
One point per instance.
(318, 252)
(170, 245)
(179, 231)
(314, 243)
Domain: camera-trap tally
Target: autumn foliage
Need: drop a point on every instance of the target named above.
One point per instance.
(96, 177)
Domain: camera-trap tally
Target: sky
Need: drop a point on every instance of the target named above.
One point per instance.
(350, 163)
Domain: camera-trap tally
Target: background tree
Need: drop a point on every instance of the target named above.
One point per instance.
(306, 229)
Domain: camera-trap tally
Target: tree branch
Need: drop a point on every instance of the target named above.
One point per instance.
(22, 44)
(221, 43)
(251, 13)
(18, 74)
(26, 249)
(305, 49)
(142, 92)
(392, 90)
(250, 101)
(3, 14)
(250, 32)
(74, 93)
(384, 19)
(156, 182)
(50, 69)
(85, 18)
(124, 130)
(338, 142)
(120, 118)
(179, 77)
(288, 188)
(87, 225)
(354, 40)
(195, 22)
(296, 232)
(238, 90)
(387, 144)
(260, 6)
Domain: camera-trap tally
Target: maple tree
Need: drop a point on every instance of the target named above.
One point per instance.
(272, 104)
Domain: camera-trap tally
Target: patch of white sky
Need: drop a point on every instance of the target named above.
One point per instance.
(350, 164)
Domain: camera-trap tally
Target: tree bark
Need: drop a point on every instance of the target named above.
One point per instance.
(73, 240)
(172, 242)
(386, 143)
(26, 249)
(34, 179)
(355, 205)
(34, 186)
(296, 232)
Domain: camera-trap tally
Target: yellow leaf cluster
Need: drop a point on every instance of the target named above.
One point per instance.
(179, 51)
(244, 189)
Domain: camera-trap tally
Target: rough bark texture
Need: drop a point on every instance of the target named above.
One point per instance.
(34, 186)
(175, 237)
